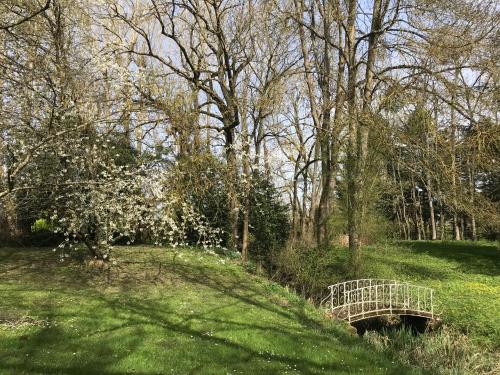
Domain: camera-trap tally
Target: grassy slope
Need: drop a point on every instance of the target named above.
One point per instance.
(465, 276)
(200, 315)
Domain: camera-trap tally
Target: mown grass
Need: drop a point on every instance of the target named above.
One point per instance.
(466, 280)
(464, 275)
(169, 312)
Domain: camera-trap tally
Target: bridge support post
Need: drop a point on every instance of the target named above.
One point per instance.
(396, 292)
(331, 298)
(348, 296)
(363, 301)
(407, 296)
(390, 298)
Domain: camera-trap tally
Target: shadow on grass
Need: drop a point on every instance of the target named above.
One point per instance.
(419, 271)
(118, 328)
(100, 355)
(471, 257)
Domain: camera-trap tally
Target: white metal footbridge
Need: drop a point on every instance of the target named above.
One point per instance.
(357, 300)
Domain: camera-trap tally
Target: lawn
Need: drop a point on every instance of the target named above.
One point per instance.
(464, 275)
(165, 312)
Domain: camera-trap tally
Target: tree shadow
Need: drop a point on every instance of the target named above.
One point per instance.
(54, 349)
(470, 257)
(116, 325)
(418, 271)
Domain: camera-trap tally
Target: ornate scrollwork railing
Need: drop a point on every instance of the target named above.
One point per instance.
(360, 299)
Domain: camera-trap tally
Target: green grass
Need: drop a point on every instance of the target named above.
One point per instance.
(192, 313)
(464, 275)
(466, 280)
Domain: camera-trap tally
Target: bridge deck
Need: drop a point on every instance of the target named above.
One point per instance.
(382, 312)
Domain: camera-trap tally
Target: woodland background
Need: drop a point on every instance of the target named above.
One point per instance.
(249, 125)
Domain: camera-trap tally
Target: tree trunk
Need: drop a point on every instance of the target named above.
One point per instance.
(472, 187)
(246, 222)
(295, 202)
(456, 227)
(453, 131)
(421, 216)
(431, 210)
(11, 216)
(473, 227)
(442, 221)
(359, 131)
(232, 186)
(353, 212)
(463, 227)
(415, 210)
(246, 178)
(315, 210)
(195, 121)
(267, 165)
(303, 218)
(404, 215)
(325, 135)
(315, 190)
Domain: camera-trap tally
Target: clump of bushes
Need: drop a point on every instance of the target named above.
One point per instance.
(444, 351)
(269, 220)
(203, 182)
(41, 225)
(376, 227)
(308, 270)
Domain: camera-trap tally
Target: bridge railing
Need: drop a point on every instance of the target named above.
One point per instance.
(366, 297)
(338, 291)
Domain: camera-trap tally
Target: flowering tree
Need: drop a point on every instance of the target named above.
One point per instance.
(66, 118)
(98, 201)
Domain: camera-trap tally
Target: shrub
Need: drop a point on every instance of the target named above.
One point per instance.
(269, 219)
(376, 227)
(309, 270)
(41, 225)
(444, 351)
(201, 181)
